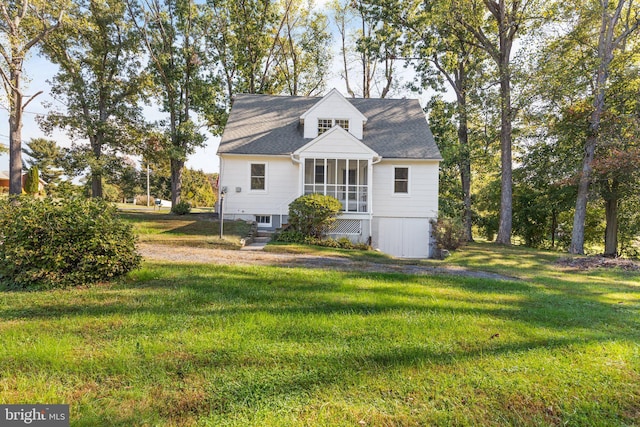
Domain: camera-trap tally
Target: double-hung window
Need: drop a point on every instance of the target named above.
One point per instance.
(258, 176)
(401, 180)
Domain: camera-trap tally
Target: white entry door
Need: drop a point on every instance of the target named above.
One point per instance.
(404, 237)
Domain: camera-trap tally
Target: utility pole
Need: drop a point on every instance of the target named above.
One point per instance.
(148, 191)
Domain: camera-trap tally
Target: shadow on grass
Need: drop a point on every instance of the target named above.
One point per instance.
(302, 307)
(196, 224)
(241, 290)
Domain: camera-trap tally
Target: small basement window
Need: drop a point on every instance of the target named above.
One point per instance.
(263, 220)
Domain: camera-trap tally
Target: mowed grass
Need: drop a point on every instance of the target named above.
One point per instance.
(184, 344)
(194, 230)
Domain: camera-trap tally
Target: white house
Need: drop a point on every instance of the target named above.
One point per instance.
(377, 156)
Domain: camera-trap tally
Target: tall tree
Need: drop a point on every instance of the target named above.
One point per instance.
(46, 155)
(442, 51)
(507, 19)
(172, 34)
(617, 21)
(616, 164)
(23, 25)
(267, 46)
(99, 81)
(303, 49)
(371, 46)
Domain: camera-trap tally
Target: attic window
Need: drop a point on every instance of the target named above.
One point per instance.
(344, 124)
(326, 124)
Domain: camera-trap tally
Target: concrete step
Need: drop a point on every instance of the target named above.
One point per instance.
(261, 239)
(264, 233)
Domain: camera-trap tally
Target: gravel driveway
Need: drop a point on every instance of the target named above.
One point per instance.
(231, 257)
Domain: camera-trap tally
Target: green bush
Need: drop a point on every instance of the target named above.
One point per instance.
(32, 181)
(449, 233)
(340, 243)
(313, 214)
(54, 244)
(289, 236)
(181, 208)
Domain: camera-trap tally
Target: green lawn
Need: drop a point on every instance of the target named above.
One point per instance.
(194, 230)
(184, 344)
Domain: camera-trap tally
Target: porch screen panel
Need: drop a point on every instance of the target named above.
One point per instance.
(309, 168)
(363, 179)
(332, 178)
(344, 179)
(342, 184)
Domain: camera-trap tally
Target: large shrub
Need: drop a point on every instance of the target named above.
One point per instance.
(51, 244)
(313, 214)
(449, 233)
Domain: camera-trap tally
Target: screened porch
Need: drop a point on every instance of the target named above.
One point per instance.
(345, 179)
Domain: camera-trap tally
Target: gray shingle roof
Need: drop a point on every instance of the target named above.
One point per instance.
(264, 124)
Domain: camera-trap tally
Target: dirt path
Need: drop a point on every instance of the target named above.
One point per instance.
(229, 257)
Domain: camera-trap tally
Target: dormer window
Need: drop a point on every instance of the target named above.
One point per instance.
(344, 124)
(326, 124)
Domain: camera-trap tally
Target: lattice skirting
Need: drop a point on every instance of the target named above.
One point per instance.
(347, 226)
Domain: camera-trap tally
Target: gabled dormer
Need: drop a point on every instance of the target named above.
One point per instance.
(333, 110)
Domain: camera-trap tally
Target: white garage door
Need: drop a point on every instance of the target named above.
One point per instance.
(404, 237)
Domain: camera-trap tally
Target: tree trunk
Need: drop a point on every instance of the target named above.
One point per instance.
(176, 181)
(96, 172)
(15, 133)
(611, 229)
(554, 227)
(580, 215)
(605, 55)
(506, 185)
(465, 161)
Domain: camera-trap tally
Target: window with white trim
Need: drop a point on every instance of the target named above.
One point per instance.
(401, 180)
(263, 220)
(258, 176)
(326, 124)
(343, 123)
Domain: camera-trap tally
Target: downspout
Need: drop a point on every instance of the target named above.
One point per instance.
(373, 161)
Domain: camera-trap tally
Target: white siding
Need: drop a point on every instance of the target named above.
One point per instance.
(333, 106)
(282, 186)
(422, 199)
(337, 144)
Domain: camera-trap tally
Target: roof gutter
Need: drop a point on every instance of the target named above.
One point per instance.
(295, 158)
